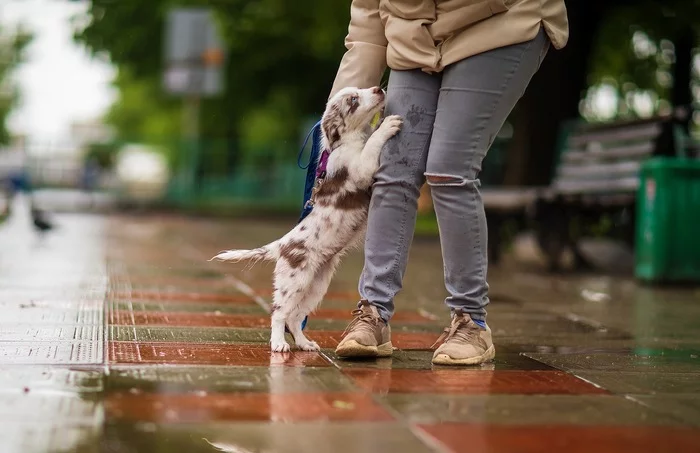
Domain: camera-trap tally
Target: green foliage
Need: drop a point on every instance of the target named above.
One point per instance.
(634, 54)
(12, 46)
(103, 154)
(281, 59)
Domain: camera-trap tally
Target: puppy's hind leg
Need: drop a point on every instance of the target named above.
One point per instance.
(294, 325)
(277, 340)
(290, 286)
(312, 299)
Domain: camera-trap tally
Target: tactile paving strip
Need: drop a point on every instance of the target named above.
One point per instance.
(50, 333)
(76, 352)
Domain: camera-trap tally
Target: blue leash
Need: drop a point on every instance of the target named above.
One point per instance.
(310, 167)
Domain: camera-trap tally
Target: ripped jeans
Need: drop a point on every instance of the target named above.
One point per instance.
(450, 121)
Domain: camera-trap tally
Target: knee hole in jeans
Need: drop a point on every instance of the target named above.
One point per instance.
(438, 179)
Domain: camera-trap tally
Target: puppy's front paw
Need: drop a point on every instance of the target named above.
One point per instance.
(391, 125)
(309, 346)
(279, 346)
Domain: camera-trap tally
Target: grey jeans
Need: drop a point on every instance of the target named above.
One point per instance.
(450, 121)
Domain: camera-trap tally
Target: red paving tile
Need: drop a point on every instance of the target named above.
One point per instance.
(183, 296)
(245, 407)
(186, 319)
(471, 381)
(189, 319)
(401, 340)
(124, 352)
(469, 438)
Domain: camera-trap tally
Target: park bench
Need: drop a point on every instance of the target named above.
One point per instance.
(506, 207)
(597, 176)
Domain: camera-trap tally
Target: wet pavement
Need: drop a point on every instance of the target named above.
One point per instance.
(117, 335)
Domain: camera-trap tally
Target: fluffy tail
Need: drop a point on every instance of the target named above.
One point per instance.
(269, 252)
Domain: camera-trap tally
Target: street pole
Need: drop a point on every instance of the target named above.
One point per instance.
(190, 128)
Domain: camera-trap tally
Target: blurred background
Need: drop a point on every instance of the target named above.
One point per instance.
(201, 106)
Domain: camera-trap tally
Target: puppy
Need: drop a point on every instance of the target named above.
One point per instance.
(308, 255)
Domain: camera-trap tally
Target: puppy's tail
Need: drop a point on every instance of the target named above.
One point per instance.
(269, 252)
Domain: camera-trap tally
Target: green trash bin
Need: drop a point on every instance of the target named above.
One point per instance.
(668, 221)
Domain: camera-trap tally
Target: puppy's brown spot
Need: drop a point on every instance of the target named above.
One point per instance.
(303, 228)
(294, 252)
(350, 201)
(332, 184)
(317, 234)
(333, 124)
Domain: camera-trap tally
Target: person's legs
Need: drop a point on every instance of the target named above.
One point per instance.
(476, 96)
(392, 213)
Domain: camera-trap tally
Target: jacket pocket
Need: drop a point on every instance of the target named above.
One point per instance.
(452, 18)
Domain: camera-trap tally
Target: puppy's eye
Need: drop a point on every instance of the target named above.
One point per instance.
(353, 99)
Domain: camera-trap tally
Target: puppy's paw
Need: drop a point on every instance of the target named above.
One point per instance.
(391, 125)
(308, 346)
(282, 346)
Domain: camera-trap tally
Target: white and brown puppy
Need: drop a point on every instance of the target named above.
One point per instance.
(308, 255)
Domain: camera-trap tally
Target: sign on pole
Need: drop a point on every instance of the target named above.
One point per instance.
(194, 53)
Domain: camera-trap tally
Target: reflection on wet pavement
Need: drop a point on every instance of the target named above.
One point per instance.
(118, 336)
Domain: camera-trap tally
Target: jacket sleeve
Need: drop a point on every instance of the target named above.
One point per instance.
(364, 62)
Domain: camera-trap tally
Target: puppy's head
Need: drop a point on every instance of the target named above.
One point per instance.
(350, 109)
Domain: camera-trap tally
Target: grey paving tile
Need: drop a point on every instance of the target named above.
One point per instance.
(524, 409)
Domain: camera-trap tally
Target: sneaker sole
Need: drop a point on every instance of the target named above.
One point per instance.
(444, 359)
(352, 348)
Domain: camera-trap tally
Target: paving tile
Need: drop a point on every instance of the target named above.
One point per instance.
(285, 408)
(644, 382)
(208, 354)
(37, 379)
(571, 344)
(187, 307)
(346, 315)
(184, 379)
(524, 409)
(401, 340)
(422, 360)
(50, 315)
(349, 296)
(189, 335)
(33, 353)
(32, 408)
(474, 438)
(435, 329)
(43, 333)
(48, 436)
(470, 381)
(659, 361)
(685, 407)
(185, 319)
(248, 437)
(184, 296)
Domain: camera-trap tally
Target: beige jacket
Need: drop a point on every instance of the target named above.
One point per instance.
(431, 34)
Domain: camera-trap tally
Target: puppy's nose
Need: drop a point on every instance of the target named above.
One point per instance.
(377, 90)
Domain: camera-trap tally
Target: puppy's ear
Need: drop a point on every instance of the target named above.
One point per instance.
(332, 124)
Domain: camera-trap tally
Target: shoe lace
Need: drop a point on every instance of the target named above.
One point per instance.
(364, 321)
(462, 327)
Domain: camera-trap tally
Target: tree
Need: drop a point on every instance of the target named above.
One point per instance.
(12, 46)
(281, 60)
(630, 46)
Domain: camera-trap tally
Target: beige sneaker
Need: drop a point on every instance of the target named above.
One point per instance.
(366, 336)
(465, 343)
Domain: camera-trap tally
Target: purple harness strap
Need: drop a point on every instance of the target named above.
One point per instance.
(322, 164)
